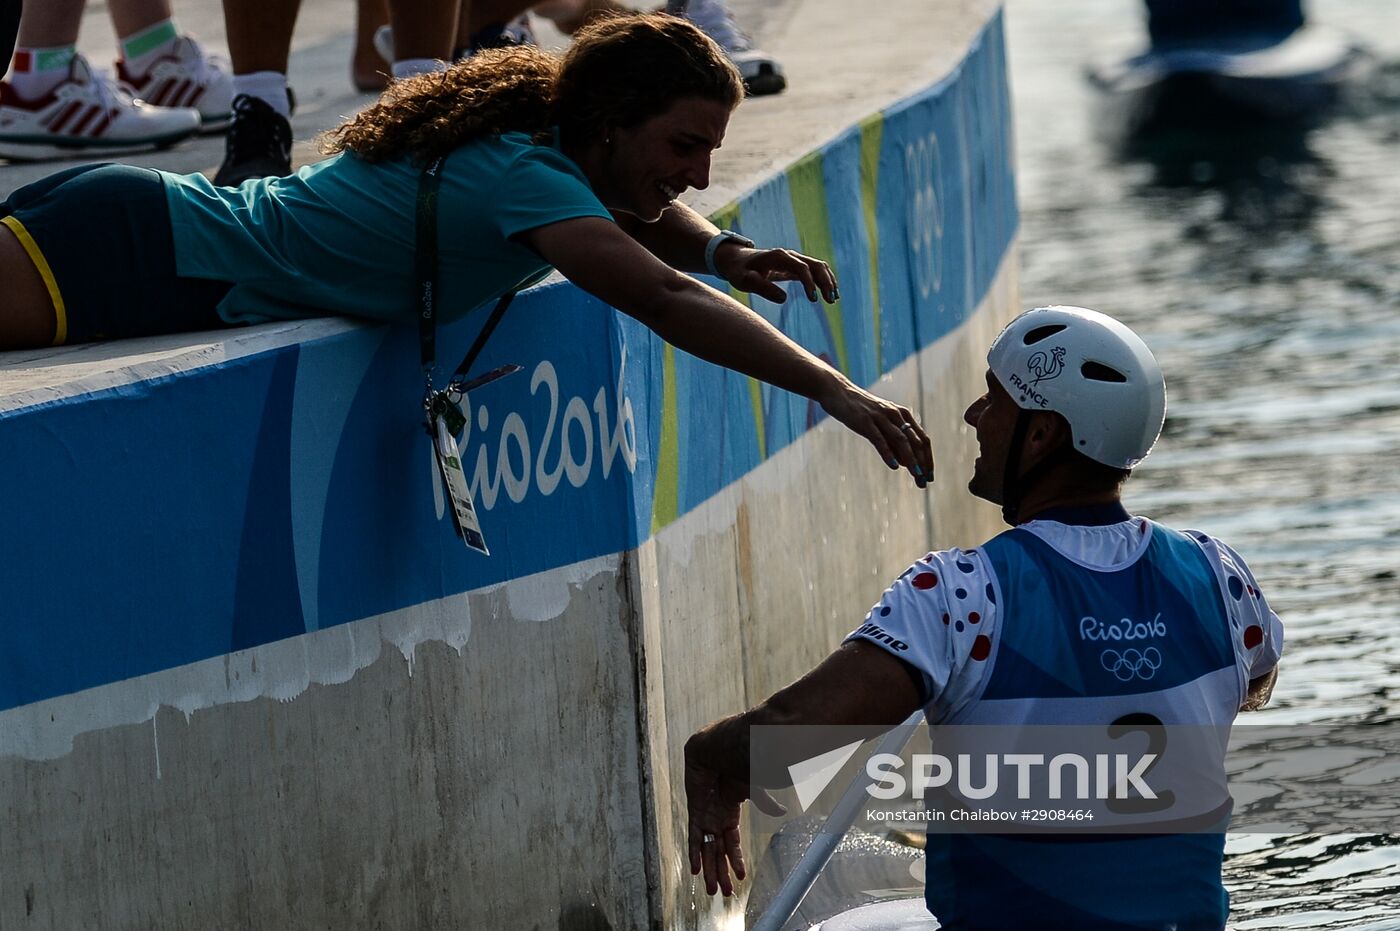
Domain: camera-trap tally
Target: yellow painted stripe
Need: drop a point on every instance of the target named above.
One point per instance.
(60, 333)
(807, 188)
(665, 502)
(727, 218)
(756, 402)
(755, 392)
(872, 128)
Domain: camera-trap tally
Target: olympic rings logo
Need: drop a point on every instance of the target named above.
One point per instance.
(923, 174)
(1132, 663)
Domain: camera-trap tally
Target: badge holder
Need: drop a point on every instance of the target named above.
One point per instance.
(443, 407)
(445, 420)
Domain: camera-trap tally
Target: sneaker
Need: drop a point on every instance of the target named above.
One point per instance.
(187, 77)
(259, 143)
(384, 43)
(502, 35)
(761, 72)
(516, 32)
(87, 115)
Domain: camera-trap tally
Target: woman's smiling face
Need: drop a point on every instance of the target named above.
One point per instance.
(642, 169)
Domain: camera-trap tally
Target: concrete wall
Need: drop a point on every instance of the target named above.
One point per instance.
(397, 772)
(759, 584)
(249, 678)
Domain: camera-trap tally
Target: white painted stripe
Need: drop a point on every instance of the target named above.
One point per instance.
(285, 669)
(39, 376)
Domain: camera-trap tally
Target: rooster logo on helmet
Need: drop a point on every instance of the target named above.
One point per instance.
(1044, 366)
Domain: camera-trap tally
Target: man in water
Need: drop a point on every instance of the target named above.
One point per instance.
(997, 636)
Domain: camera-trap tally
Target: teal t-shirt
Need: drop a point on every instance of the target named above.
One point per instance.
(338, 237)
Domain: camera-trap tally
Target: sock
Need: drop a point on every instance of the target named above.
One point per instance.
(37, 71)
(414, 66)
(142, 49)
(268, 86)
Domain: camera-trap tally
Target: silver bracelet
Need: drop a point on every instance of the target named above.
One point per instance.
(716, 241)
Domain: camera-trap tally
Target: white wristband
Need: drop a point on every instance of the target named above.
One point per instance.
(716, 241)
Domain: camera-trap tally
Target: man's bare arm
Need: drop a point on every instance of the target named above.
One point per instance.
(858, 684)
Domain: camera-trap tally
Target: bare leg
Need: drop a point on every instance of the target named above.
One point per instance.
(50, 24)
(423, 28)
(260, 33)
(368, 70)
(131, 16)
(27, 319)
(569, 15)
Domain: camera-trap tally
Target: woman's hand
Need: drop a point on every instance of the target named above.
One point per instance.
(890, 428)
(593, 253)
(758, 271)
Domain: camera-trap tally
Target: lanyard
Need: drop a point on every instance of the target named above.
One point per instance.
(444, 417)
(425, 266)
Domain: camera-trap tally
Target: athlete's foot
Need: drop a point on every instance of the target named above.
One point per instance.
(87, 115)
(259, 143)
(186, 77)
(761, 72)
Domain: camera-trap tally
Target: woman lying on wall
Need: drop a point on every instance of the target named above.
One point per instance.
(574, 163)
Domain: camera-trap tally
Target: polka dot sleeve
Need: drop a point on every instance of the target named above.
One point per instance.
(1257, 630)
(939, 616)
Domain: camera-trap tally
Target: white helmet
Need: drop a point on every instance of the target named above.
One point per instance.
(1093, 371)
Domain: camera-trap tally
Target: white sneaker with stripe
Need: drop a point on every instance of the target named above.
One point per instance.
(187, 77)
(87, 115)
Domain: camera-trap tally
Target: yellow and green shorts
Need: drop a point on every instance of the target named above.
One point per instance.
(100, 237)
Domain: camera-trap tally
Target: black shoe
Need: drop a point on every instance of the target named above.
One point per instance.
(259, 143)
(500, 35)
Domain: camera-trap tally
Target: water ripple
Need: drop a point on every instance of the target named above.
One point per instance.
(1267, 280)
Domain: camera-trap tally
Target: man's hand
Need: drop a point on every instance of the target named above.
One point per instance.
(758, 271)
(714, 801)
(858, 684)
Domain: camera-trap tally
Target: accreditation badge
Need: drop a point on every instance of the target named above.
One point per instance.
(449, 462)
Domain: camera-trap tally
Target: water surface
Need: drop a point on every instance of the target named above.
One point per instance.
(1264, 271)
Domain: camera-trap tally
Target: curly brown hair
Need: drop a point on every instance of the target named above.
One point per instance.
(428, 115)
(624, 70)
(619, 71)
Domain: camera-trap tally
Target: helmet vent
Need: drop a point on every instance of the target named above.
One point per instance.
(1041, 332)
(1097, 371)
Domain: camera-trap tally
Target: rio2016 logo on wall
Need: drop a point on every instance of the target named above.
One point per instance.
(564, 447)
(923, 173)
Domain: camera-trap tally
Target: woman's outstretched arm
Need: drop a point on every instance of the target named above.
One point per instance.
(604, 260)
(679, 239)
